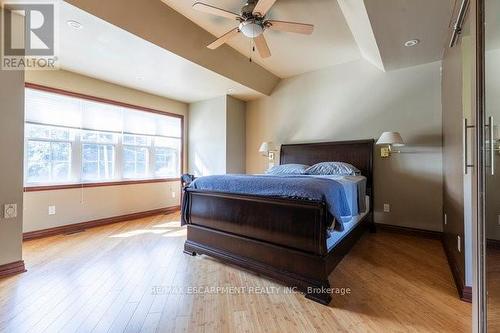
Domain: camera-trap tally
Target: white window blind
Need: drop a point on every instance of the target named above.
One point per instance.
(102, 142)
(51, 109)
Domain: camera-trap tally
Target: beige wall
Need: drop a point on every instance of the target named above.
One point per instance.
(207, 137)
(236, 137)
(217, 136)
(358, 101)
(77, 205)
(11, 150)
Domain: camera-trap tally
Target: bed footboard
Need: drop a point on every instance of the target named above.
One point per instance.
(295, 224)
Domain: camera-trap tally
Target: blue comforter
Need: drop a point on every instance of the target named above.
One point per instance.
(298, 187)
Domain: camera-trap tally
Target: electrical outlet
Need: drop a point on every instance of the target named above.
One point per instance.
(459, 244)
(173, 194)
(52, 210)
(387, 208)
(10, 211)
(445, 219)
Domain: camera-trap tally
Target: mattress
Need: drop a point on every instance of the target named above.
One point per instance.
(337, 236)
(355, 192)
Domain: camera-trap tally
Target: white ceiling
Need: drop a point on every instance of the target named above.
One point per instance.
(397, 21)
(104, 51)
(331, 43)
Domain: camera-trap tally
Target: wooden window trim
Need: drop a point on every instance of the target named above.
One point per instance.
(101, 184)
(112, 102)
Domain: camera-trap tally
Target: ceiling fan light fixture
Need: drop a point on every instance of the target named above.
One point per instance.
(251, 28)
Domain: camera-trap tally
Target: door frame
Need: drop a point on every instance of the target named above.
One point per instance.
(479, 315)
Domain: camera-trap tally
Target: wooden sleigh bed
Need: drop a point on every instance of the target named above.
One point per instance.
(284, 239)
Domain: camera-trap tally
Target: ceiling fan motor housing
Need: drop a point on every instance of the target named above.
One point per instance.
(247, 9)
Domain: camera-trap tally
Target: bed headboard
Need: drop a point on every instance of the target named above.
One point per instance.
(358, 153)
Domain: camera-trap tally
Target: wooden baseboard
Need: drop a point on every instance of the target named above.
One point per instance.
(77, 227)
(493, 243)
(465, 292)
(12, 269)
(409, 231)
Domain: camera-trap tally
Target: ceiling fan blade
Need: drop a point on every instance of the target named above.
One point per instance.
(224, 38)
(299, 28)
(203, 7)
(263, 7)
(262, 47)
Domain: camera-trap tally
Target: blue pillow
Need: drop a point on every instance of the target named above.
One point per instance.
(288, 169)
(333, 168)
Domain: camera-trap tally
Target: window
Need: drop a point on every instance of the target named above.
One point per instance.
(48, 154)
(98, 155)
(167, 159)
(77, 140)
(135, 162)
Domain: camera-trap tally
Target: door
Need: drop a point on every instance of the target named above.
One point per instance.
(490, 163)
(457, 170)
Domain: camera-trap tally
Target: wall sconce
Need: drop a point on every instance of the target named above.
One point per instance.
(268, 149)
(390, 139)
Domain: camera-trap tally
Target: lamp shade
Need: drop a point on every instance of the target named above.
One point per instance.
(391, 138)
(266, 147)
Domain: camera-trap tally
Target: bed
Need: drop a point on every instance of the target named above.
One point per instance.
(287, 239)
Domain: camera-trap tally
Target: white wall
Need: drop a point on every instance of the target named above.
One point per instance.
(11, 162)
(77, 205)
(358, 101)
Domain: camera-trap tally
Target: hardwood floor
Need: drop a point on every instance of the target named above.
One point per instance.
(117, 278)
(493, 281)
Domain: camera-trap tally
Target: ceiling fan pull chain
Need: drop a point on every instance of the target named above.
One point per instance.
(252, 49)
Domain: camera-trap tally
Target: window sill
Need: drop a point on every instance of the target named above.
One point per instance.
(34, 188)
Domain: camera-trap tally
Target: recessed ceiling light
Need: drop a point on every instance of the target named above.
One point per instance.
(74, 24)
(411, 42)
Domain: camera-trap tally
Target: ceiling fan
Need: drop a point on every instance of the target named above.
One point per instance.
(253, 24)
